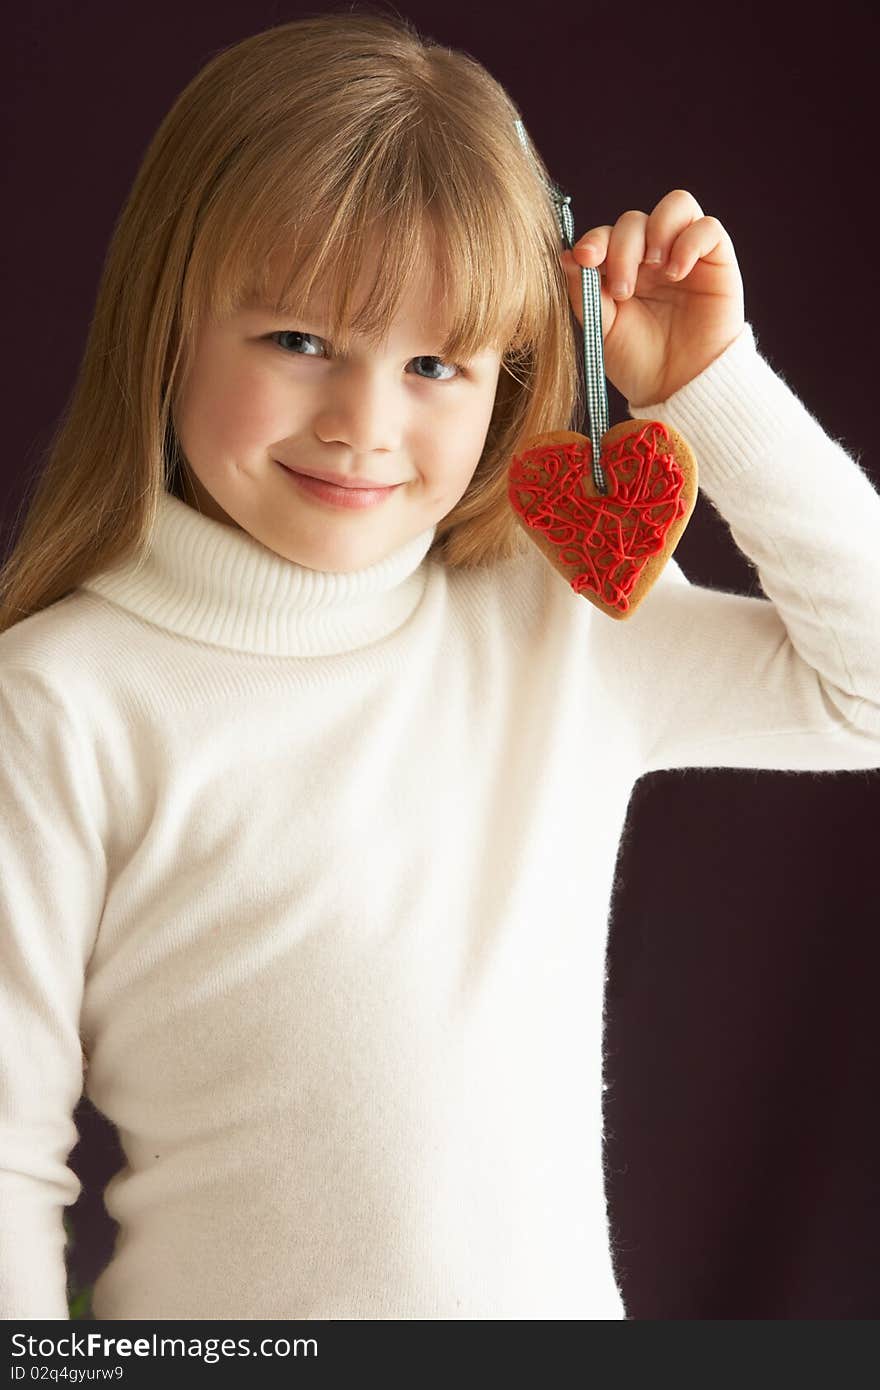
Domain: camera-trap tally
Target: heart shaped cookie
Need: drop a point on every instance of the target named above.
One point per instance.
(611, 549)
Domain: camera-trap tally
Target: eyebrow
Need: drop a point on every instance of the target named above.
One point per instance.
(304, 313)
(267, 306)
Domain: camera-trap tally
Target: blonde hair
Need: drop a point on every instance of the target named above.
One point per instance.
(305, 139)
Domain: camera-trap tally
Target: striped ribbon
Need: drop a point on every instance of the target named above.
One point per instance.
(594, 355)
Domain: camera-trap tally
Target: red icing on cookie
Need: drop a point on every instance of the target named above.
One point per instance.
(603, 544)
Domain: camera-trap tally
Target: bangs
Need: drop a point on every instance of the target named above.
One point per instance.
(450, 230)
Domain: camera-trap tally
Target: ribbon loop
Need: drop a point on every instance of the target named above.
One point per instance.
(594, 353)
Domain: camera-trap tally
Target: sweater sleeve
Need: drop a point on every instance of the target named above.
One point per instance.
(790, 681)
(52, 879)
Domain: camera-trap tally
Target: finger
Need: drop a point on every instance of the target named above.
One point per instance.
(574, 281)
(674, 212)
(704, 240)
(624, 253)
(590, 249)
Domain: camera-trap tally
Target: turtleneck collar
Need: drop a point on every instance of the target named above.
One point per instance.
(214, 583)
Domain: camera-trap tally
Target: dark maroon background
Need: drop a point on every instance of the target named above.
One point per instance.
(742, 1114)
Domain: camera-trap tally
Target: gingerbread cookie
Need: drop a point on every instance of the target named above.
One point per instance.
(611, 549)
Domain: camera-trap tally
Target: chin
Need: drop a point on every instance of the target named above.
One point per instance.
(341, 559)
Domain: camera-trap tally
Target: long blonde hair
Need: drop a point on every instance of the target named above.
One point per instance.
(305, 139)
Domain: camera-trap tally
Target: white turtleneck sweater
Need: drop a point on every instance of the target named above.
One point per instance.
(320, 865)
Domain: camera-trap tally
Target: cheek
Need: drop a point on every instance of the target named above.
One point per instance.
(459, 437)
(451, 449)
(231, 407)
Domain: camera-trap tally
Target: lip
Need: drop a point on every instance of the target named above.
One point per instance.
(347, 494)
(343, 480)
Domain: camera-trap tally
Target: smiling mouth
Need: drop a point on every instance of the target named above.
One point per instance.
(326, 494)
(340, 480)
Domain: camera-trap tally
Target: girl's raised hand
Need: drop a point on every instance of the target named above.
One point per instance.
(660, 330)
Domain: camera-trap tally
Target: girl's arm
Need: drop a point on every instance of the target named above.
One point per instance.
(704, 678)
(713, 679)
(52, 880)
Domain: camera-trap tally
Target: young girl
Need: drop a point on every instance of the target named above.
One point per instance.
(312, 794)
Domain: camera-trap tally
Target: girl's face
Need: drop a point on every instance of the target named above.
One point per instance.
(266, 391)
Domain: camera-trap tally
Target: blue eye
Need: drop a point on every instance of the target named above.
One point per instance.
(440, 363)
(295, 333)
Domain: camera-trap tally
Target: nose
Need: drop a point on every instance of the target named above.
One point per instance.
(363, 410)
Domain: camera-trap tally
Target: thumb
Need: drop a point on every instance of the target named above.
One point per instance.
(575, 285)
